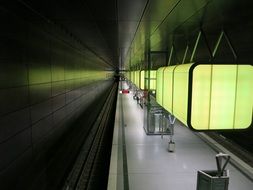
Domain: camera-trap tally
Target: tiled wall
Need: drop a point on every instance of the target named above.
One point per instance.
(47, 80)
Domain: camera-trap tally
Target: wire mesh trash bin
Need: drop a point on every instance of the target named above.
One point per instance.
(155, 116)
(214, 179)
(208, 180)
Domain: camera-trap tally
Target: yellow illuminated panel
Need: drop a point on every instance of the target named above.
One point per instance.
(180, 92)
(152, 79)
(132, 76)
(137, 78)
(219, 96)
(168, 88)
(201, 97)
(222, 97)
(244, 97)
(159, 86)
(146, 80)
(142, 80)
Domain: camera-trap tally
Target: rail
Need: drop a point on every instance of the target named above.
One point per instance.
(86, 168)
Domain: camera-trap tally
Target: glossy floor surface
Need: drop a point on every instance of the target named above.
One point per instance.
(141, 162)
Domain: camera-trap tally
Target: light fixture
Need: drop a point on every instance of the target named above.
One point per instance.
(209, 96)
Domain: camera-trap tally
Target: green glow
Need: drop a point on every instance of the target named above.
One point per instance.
(159, 86)
(132, 76)
(222, 97)
(168, 88)
(136, 78)
(201, 96)
(244, 97)
(180, 92)
(146, 80)
(60, 80)
(39, 74)
(142, 79)
(139, 78)
(57, 73)
(152, 79)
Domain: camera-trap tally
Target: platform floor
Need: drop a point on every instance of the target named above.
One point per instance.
(141, 162)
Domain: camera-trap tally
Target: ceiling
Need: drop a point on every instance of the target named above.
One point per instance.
(115, 29)
(107, 27)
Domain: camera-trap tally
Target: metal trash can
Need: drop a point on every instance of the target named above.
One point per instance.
(214, 179)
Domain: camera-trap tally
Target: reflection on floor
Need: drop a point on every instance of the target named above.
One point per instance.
(149, 166)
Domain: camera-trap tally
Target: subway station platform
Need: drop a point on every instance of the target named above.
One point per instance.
(142, 162)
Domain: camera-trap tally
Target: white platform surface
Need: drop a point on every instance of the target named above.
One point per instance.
(150, 166)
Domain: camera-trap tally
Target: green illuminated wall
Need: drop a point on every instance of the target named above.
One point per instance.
(136, 78)
(159, 86)
(200, 100)
(243, 109)
(132, 76)
(168, 88)
(180, 92)
(138, 73)
(208, 97)
(222, 97)
(142, 79)
(152, 80)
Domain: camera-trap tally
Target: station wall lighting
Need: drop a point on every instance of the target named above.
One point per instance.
(208, 96)
(168, 86)
(159, 85)
(142, 80)
(152, 80)
(137, 79)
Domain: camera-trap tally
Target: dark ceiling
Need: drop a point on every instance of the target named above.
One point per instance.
(107, 27)
(116, 29)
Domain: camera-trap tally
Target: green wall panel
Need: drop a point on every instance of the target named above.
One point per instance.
(159, 86)
(201, 99)
(153, 80)
(208, 97)
(222, 100)
(180, 92)
(142, 79)
(168, 88)
(222, 97)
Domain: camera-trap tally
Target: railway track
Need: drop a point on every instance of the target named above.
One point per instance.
(90, 169)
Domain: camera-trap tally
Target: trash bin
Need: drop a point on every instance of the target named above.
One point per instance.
(214, 179)
(155, 116)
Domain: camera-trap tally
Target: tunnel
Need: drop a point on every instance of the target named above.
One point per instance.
(65, 65)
